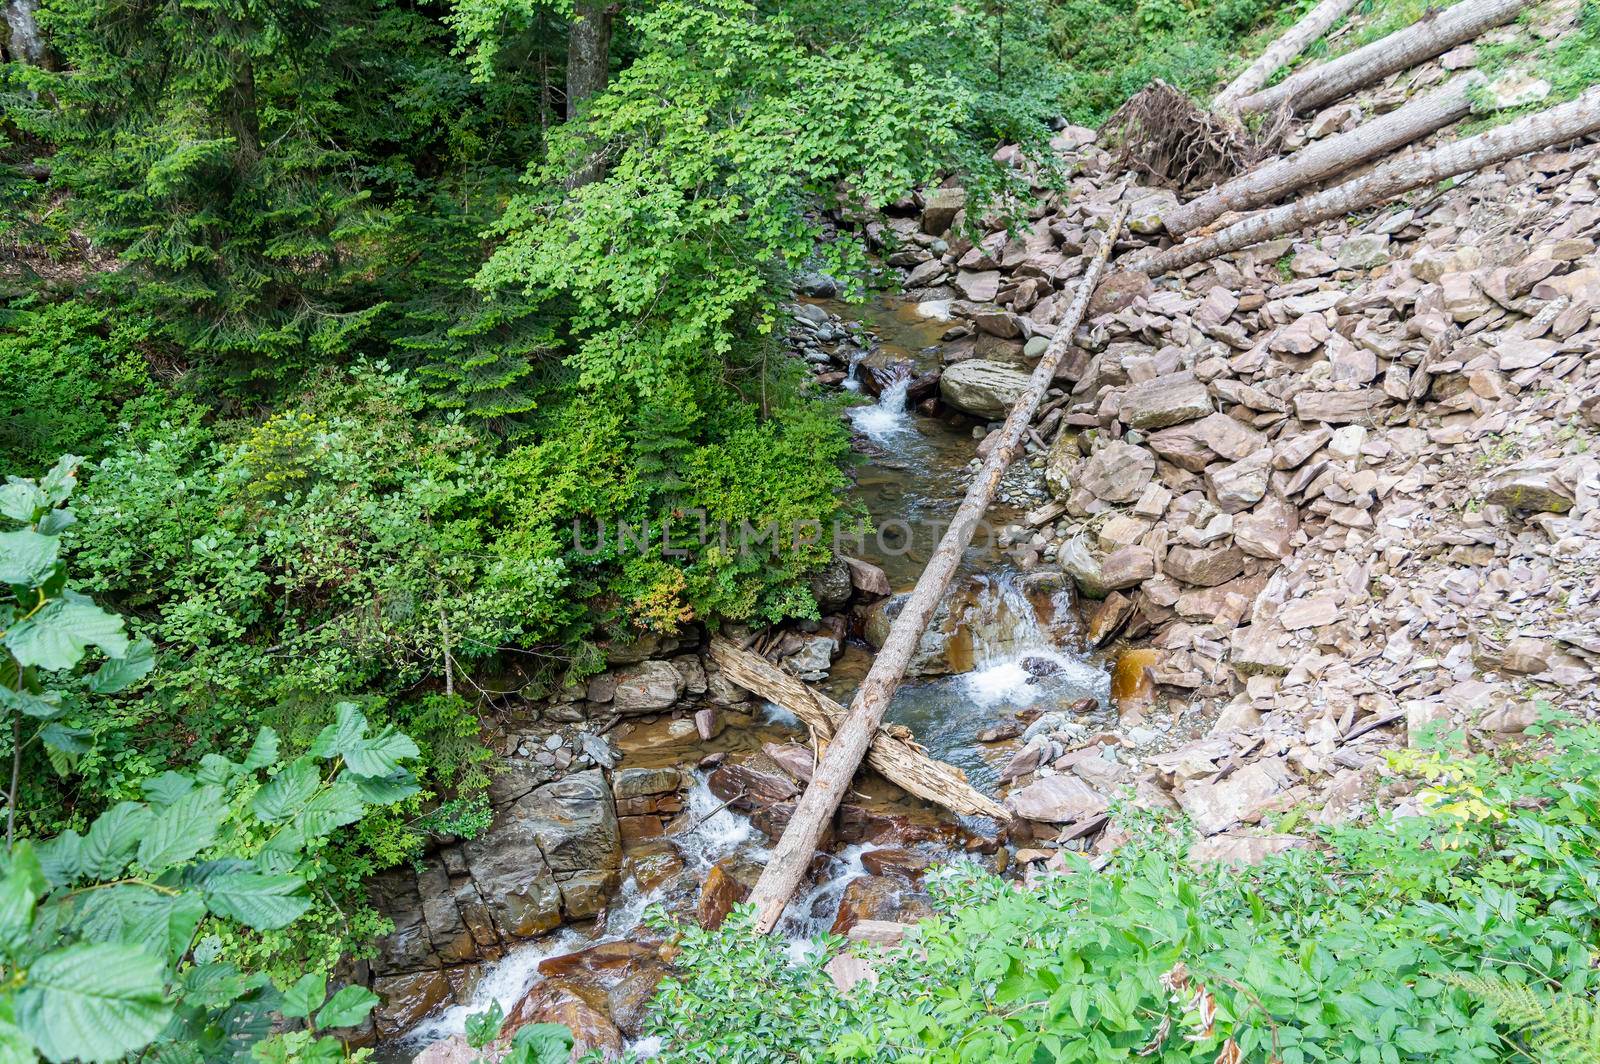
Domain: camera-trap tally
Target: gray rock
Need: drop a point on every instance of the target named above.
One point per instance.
(1363, 252)
(831, 586)
(1056, 800)
(1079, 562)
(647, 687)
(1535, 486)
(1164, 401)
(980, 286)
(939, 209)
(1118, 472)
(1204, 566)
(982, 388)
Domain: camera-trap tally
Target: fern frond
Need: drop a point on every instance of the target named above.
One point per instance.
(1558, 1027)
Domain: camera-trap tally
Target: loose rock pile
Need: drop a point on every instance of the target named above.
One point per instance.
(1348, 484)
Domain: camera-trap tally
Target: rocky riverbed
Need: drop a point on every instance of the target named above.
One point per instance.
(1279, 513)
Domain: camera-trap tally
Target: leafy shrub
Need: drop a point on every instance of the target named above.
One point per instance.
(115, 940)
(1364, 948)
(1110, 49)
(68, 368)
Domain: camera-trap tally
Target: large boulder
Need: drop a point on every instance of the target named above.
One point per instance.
(647, 687)
(831, 586)
(550, 856)
(982, 388)
(581, 1012)
(1533, 486)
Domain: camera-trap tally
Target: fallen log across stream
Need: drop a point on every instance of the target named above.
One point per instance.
(860, 726)
(898, 760)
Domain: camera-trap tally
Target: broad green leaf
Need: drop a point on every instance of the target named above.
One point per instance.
(19, 890)
(161, 924)
(387, 790)
(380, 755)
(163, 790)
(484, 1027)
(43, 707)
(93, 1002)
(58, 483)
(118, 674)
(56, 637)
(305, 996)
(286, 794)
(185, 828)
(21, 500)
(264, 902)
(331, 807)
(263, 752)
(56, 522)
(70, 741)
(15, 1048)
(216, 984)
(112, 838)
(27, 558)
(347, 1008)
(540, 1043)
(347, 729)
(61, 858)
(214, 768)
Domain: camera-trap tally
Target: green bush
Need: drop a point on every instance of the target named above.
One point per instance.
(1110, 49)
(1355, 950)
(67, 369)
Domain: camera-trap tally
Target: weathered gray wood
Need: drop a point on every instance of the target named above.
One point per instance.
(1439, 32)
(898, 760)
(1318, 20)
(1557, 125)
(793, 853)
(1327, 157)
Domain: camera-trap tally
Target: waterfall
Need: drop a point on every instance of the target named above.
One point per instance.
(887, 418)
(1013, 646)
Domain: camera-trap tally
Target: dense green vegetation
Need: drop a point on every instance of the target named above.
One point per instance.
(1114, 48)
(1467, 933)
(354, 310)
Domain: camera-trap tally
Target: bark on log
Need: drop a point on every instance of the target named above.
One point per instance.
(815, 808)
(1294, 41)
(1324, 158)
(895, 759)
(1556, 125)
(1326, 82)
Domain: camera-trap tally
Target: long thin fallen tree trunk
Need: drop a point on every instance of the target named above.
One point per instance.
(795, 848)
(1401, 50)
(895, 759)
(1294, 41)
(1324, 158)
(1557, 125)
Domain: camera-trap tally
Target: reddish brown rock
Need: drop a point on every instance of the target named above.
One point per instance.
(726, 885)
(555, 1001)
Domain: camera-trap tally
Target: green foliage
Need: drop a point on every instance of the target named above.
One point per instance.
(1113, 48)
(110, 938)
(1560, 1028)
(68, 368)
(1467, 933)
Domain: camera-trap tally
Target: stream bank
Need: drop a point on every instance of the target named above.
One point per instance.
(661, 783)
